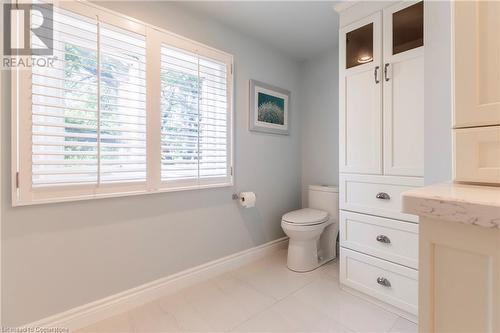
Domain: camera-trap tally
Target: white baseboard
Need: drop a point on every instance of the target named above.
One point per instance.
(90, 313)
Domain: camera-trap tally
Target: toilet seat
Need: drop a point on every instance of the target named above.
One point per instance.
(305, 217)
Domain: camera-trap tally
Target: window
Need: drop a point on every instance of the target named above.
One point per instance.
(126, 109)
(89, 113)
(193, 116)
(122, 105)
(64, 106)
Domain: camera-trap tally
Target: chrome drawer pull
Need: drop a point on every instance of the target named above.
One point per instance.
(383, 282)
(375, 74)
(385, 72)
(383, 239)
(383, 196)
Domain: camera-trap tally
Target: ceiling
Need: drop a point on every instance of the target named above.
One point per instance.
(300, 29)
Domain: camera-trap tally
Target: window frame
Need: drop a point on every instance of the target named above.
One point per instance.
(23, 192)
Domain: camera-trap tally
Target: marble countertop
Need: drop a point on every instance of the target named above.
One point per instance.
(470, 204)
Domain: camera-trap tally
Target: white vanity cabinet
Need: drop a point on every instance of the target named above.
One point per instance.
(381, 150)
(476, 123)
(459, 257)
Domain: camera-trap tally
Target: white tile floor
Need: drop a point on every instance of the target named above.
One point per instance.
(263, 296)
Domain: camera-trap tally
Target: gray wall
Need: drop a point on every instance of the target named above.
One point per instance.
(437, 92)
(320, 123)
(58, 256)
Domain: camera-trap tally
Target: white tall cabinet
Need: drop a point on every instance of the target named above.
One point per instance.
(381, 150)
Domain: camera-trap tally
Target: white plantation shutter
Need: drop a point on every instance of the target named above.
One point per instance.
(194, 117)
(125, 109)
(64, 105)
(122, 105)
(89, 111)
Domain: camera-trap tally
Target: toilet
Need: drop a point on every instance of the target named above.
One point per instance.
(313, 231)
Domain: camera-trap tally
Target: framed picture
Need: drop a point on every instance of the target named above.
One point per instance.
(269, 108)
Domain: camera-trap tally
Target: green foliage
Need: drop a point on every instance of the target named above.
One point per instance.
(80, 95)
(179, 93)
(179, 107)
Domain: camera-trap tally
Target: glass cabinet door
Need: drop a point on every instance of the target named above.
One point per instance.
(408, 28)
(359, 46)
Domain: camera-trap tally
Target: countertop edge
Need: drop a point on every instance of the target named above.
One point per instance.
(468, 204)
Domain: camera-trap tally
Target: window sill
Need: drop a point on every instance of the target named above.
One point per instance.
(17, 202)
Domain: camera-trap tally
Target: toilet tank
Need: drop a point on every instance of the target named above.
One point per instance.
(326, 198)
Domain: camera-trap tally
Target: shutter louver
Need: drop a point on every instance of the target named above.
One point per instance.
(194, 137)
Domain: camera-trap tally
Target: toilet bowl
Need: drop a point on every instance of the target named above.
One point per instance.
(312, 231)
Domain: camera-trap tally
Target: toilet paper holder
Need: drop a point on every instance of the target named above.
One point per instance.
(236, 196)
(245, 199)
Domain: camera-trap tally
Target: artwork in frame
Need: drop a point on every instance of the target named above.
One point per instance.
(269, 108)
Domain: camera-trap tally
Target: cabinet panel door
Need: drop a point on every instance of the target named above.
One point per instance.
(477, 63)
(403, 77)
(477, 154)
(360, 85)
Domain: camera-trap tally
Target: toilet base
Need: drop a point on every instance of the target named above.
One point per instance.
(323, 262)
(303, 256)
(310, 246)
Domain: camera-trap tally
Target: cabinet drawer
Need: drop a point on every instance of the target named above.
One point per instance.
(477, 155)
(389, 239)
(376, 195)
(391, 283)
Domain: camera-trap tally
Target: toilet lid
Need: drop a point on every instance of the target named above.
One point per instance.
(306, 216)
